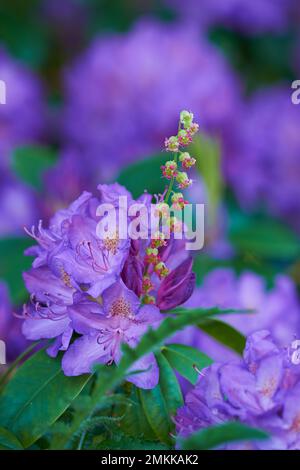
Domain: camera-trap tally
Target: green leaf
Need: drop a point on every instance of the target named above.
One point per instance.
(150, 342)
(162, 402)
(263, 237)
(184, 359)
(8, 441)
(13, 263)
(214, 436)
(36, 396)
(225, 334)
(135, 422)
(31, 162)
(143, 175)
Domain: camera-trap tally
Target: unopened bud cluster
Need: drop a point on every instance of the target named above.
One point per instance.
(171, 169)
(174, 171)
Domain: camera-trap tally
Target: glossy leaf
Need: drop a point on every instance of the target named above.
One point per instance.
(162, 402)
(215, 436)
(36, 396)
(185, 359)
(8, 441)
(224, 334)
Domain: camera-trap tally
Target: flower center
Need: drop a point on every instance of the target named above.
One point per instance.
(111, 243)
(121, 307)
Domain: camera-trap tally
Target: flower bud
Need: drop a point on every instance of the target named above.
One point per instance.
(149, 300)
(183, 180)
(162, 210)
(161, 269)
(169, 170)
(172, 144)
(178, 201)
(186, 160)
(158, 240)
(151, 256)
(147, 285)
(186, 118)
(184, 137)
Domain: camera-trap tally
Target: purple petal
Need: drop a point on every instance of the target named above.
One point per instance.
(177, 287)
(83, 354)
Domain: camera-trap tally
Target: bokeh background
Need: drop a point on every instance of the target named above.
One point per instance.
(94, 87)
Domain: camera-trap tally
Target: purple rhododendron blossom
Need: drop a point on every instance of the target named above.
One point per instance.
(98, 287)
(120, 319)
(276, 309)
(261, 391)
(22, 118)
(257, 16)
(120, 103)
(270, 167)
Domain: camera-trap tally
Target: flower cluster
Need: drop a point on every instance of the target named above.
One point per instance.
(276, 309)
(261, 123)
(98, 288)
(120, 86)
(170, 170)
(261, 391)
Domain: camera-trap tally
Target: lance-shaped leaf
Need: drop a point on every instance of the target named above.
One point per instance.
(186, 360)
(36, 396)
(215, 436)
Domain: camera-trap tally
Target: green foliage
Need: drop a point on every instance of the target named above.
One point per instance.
(8, 441)
(143, 175)
(161, 402)
(36, 396)
(263, 237)
(31, 162)
(215, 436)
(13, 263)
(185, 360)
(225, 334)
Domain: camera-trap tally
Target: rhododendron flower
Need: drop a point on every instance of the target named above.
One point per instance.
(261, 391)
(276, 309)
(120, 318)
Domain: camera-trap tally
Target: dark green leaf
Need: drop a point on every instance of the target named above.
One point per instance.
(30, 164)
(150, 342)
(214, 436)
(8, 441)
(225, 334)
(184, 359)
(36, 396)
(13, 263)
(161, 403)
(144, 175)
(264, 237)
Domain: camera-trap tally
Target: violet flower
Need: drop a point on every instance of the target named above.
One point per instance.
(120, 103)
(267, 155)
(276, 309)
(120, 319)
(255, 17)
(261, 391)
